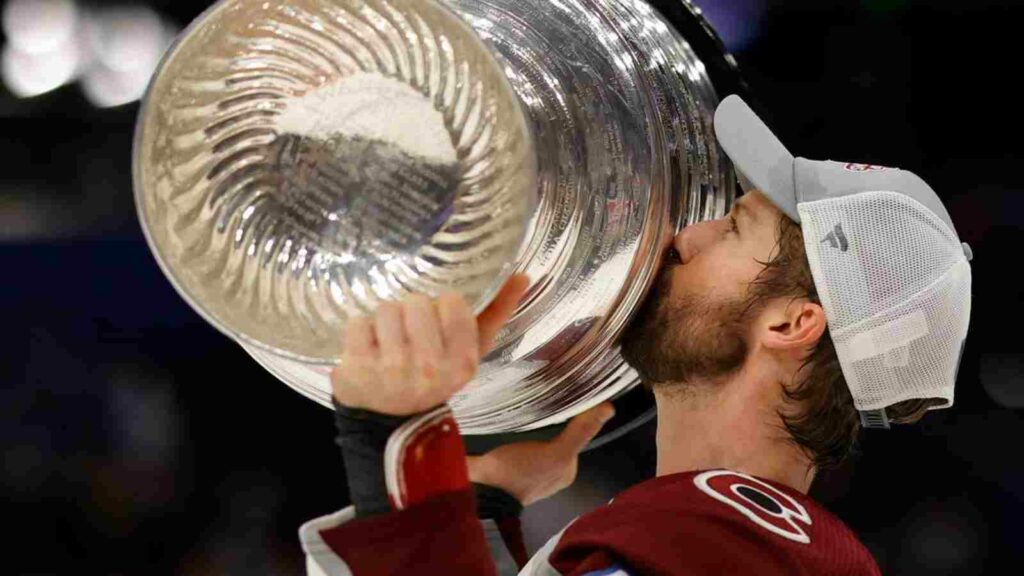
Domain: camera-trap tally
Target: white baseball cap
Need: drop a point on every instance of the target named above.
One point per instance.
(890, 270)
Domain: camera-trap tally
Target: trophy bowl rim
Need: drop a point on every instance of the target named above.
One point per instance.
(521, 122)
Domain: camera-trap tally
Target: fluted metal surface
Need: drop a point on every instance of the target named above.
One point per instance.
(282, 197)
(610, 124)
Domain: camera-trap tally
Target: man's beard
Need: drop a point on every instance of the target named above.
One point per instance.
(684, 340)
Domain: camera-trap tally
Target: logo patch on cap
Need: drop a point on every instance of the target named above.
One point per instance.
(760, 502)
(865, 168)
(837, 238)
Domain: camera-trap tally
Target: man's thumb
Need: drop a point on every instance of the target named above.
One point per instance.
(582, 429)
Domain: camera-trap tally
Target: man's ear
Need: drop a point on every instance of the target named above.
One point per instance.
(793, 324)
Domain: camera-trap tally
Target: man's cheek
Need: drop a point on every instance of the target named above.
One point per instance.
(701, 291)
(689, 281)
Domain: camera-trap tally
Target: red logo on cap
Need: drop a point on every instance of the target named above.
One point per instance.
(865, 168)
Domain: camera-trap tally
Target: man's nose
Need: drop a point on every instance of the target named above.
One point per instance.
(694, 238)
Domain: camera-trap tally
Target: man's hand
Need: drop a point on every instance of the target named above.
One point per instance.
(532, 471)
(413, 355)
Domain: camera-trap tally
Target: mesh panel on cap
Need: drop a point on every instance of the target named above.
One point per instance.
(896, 289)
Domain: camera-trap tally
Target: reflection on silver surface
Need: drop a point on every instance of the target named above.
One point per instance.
(618, 118)
(300, 160)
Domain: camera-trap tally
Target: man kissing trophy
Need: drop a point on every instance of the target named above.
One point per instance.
(512, 224)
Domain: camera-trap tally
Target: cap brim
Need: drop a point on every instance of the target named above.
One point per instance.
(757, 153)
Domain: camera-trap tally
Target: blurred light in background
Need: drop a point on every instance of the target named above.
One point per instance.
(241, 539)
(945, 537)
(43, 50)
(738, 22)
(1000, 375)
(39, 26)
(113, 51)
(30, 212)
(126, 45)
(146, 423)
(28, 75)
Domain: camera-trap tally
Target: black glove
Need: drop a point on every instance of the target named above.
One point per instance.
(363, 435)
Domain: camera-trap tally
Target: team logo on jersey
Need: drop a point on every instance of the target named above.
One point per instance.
(762, 503)
(865, 168)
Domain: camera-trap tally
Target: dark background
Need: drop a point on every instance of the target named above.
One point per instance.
(137, 439)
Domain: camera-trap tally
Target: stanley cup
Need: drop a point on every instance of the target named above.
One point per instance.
(296, 162)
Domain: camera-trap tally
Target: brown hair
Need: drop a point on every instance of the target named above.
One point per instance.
(825, 423)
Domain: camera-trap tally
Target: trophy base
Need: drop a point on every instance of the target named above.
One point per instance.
(634, 407)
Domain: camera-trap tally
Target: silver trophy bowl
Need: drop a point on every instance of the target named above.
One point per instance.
(297, 162)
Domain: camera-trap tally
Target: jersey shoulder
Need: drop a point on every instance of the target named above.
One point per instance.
(719, 519)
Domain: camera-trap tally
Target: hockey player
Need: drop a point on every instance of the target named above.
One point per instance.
(834, 296)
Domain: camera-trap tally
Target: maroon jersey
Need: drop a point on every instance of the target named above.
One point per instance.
(692, 523)
(714, 522)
